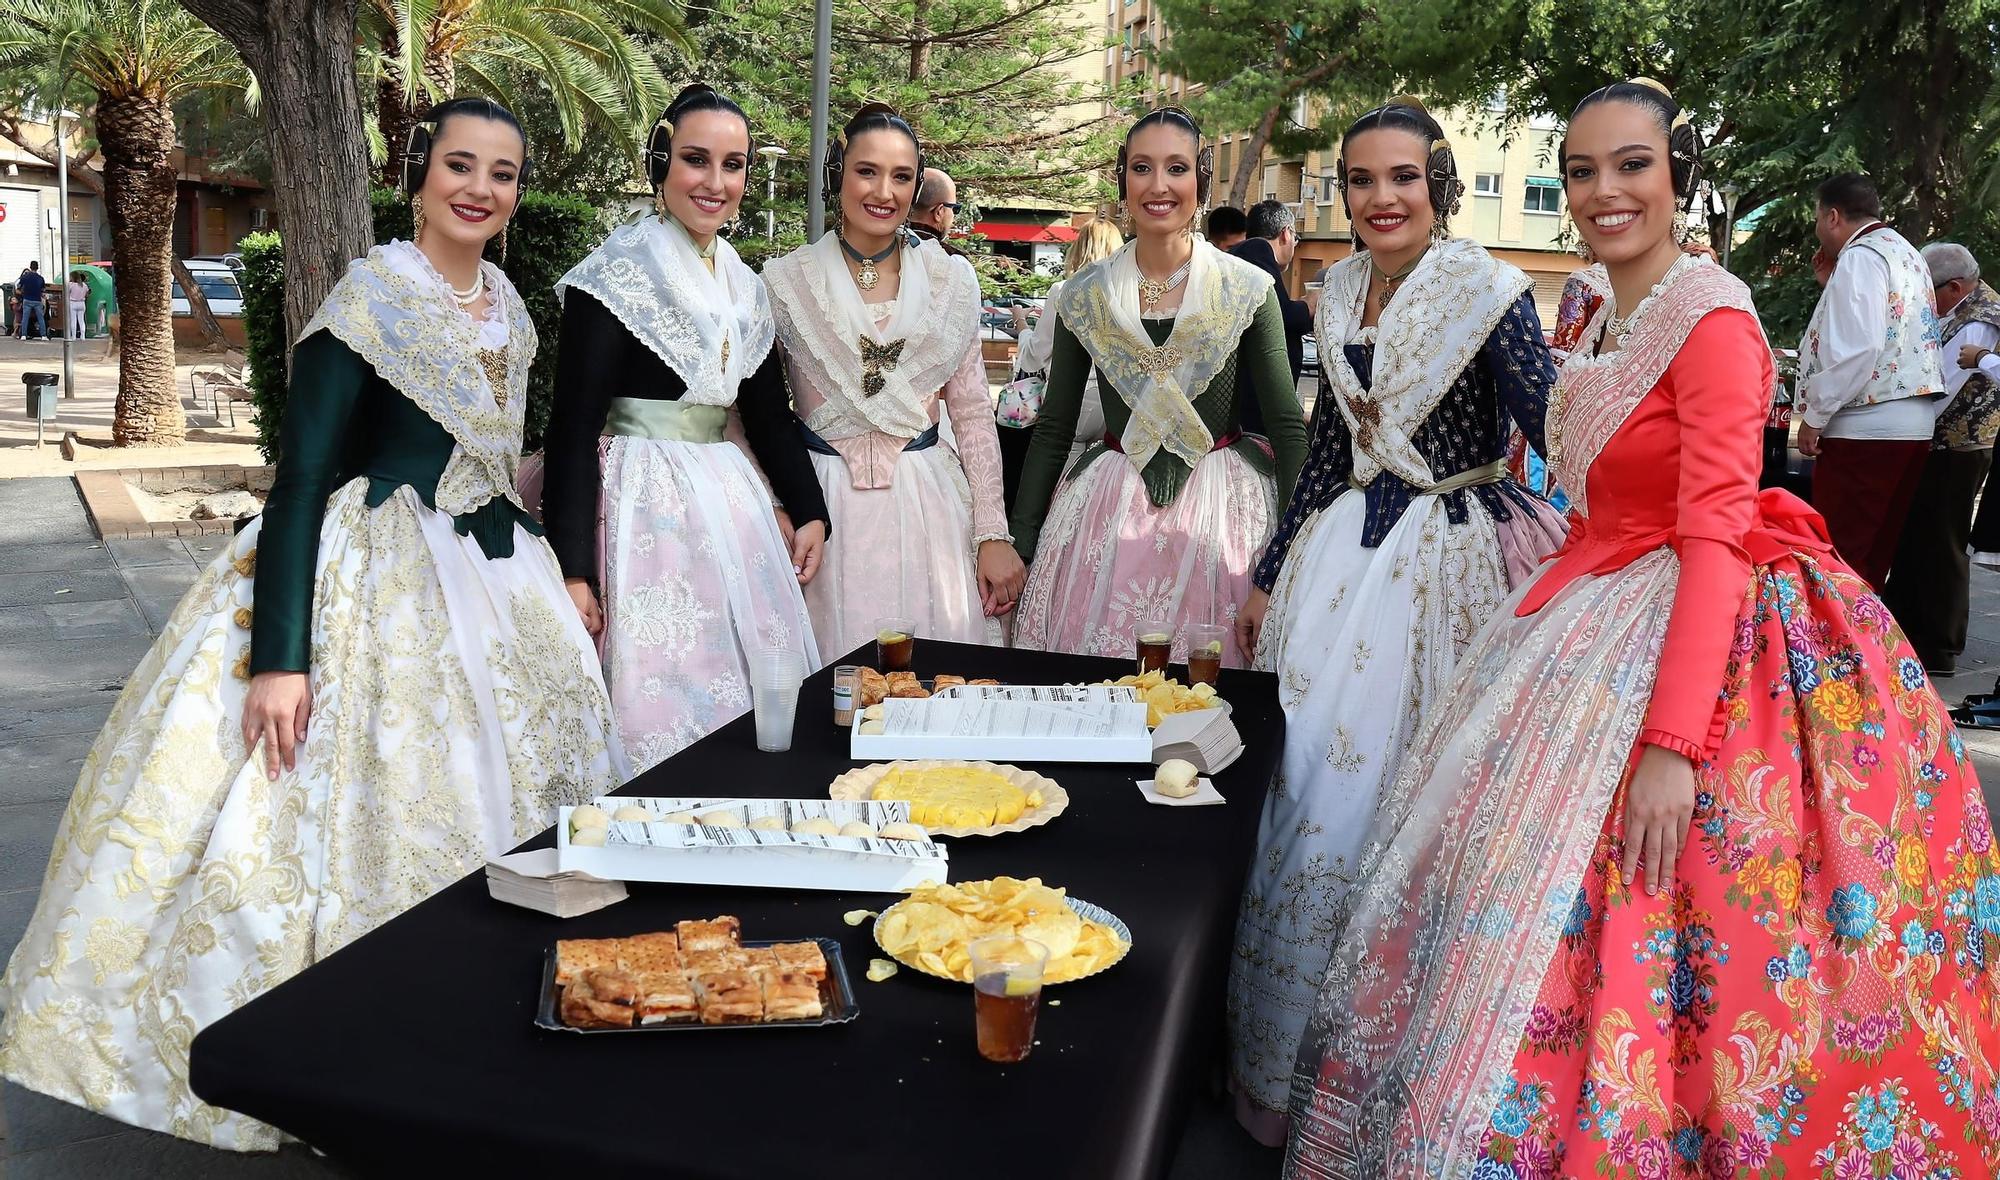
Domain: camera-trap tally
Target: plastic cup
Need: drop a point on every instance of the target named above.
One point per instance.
(895, 643)
(1155, 641)
(775, 676)
(1206, 643)
(1006, 993)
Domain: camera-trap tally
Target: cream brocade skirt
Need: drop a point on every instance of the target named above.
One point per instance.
(456, 701)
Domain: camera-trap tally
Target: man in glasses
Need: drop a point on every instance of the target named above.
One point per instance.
(936, 208)
(1930, 583)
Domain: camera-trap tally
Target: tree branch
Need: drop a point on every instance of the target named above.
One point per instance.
(80, 168)
(241, 22)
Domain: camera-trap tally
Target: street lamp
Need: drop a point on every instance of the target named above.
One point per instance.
(62, 239)
(1730, 194)
(772, 153)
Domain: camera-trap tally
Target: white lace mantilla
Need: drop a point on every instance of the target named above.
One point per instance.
(1432, 329)
(1161, 382)
(1595, 393)
(879, 376)
(711, 329)
(471, 376)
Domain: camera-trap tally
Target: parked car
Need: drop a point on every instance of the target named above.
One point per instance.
(218, 285)
(232, 260)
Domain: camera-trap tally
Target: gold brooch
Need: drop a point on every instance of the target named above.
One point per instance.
(877, 359)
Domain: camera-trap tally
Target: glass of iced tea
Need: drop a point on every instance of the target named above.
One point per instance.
(895, 643)
(1006, 990)
(1155, 638)
(1205, 650)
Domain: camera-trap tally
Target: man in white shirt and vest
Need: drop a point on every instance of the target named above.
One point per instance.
(1930, 585)
(1869, 376)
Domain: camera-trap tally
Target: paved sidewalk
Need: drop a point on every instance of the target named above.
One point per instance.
(211, 439)
(77, 614)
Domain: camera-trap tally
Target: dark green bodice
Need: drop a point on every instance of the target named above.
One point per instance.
(342, 422)
(1261, 351)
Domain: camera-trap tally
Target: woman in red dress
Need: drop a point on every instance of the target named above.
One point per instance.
(1689, 874)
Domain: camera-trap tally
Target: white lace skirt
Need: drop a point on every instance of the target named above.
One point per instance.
(455, 703)
(1363, 641)
(696, 576)
(904, 550)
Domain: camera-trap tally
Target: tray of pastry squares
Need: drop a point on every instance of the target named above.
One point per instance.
(700, 974)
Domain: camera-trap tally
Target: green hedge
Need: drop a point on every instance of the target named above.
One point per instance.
(548, 235)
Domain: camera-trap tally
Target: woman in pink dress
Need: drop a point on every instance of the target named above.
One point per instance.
(1165, 519)
(880, 330)
(1689, 874)
(668, 541)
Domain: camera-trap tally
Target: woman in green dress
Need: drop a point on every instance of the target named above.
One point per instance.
(1165, 518)
(393, 632)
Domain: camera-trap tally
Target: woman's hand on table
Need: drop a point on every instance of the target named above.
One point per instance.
(1001, 576)
(1659, 807)
(1250, 623)
(808, 545)
(275, 713)
(585, 599)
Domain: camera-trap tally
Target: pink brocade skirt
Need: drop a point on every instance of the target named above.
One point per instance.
(1110, 558)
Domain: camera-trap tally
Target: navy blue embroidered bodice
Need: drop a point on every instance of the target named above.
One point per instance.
(1509, 378)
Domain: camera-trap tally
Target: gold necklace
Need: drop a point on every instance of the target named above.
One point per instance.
(1391, 283)
(866, 276)
(1151, 291)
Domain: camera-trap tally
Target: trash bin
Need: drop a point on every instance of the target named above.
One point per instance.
(41, 395)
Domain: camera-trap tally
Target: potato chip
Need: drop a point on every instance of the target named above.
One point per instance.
(933, 929)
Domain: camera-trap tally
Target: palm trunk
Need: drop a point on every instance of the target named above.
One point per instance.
(136, 133)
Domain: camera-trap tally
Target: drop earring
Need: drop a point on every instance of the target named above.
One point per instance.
(1682, 230)
(416, 217)
(503, 245)
(660, 202)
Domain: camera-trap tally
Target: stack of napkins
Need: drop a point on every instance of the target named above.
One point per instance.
(1205, 737)
(533, 879)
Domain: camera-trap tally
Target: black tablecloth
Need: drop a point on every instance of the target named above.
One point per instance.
(415, 1043)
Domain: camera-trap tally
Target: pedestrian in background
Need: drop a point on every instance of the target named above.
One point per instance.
(32, 288)
(76, 297)
(1869, 375)
(1930, 587)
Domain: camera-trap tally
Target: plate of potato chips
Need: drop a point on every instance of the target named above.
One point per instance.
(1164, 696)
(931, 929)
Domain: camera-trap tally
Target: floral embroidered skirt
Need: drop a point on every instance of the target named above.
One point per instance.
(455, 703)
(695, 576)
(1816, 996)
(1110, 558)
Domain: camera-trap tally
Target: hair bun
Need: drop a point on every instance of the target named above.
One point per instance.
(1408, 100)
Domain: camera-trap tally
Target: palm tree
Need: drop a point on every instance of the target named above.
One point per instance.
(588, 55)
(127, 61)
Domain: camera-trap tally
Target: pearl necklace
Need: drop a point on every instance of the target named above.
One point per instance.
(470, 295)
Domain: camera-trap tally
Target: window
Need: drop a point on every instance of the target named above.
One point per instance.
(213, 286)
(1329, 189)
(1486, 184)
(1544, 195)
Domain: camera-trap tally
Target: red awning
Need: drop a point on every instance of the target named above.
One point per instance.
(1005, 231)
